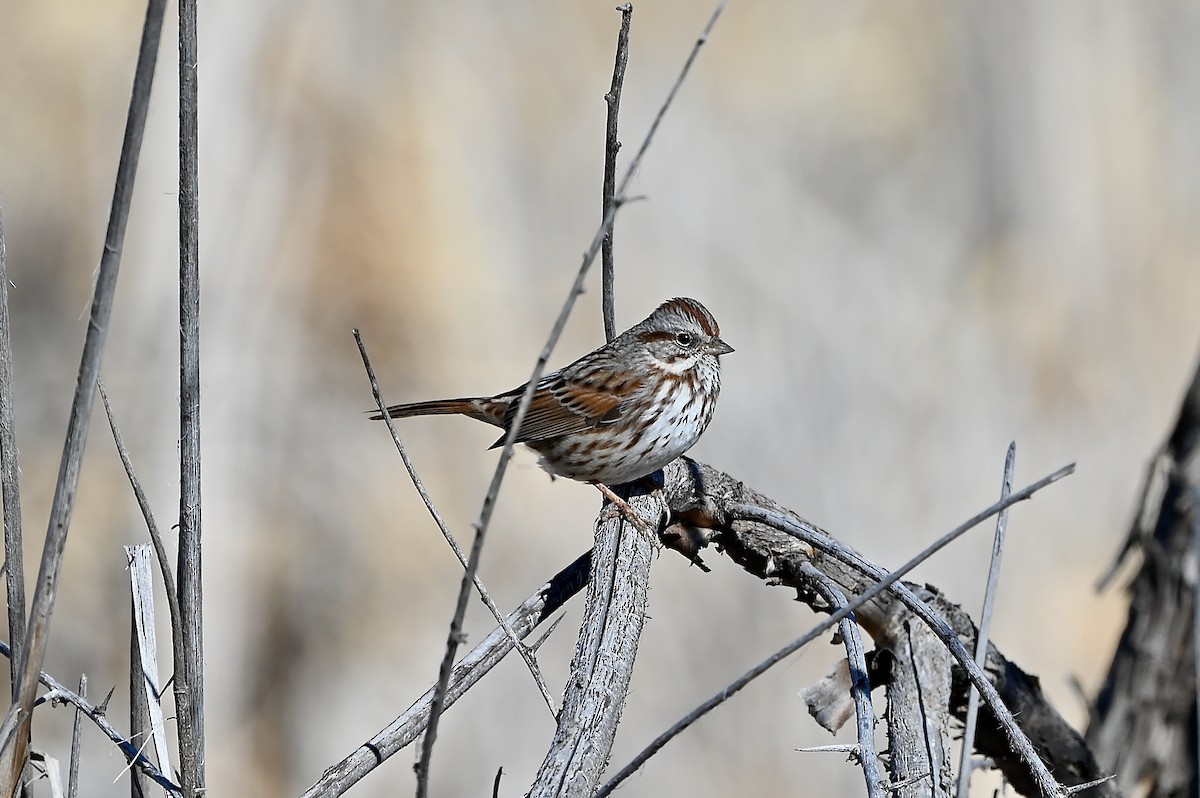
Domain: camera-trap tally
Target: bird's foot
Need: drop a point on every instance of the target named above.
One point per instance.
(623, 507)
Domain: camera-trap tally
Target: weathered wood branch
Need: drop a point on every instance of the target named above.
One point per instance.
(700, 498)
(918, 714)
(697, 499)
(604, 653)
(1144, 723)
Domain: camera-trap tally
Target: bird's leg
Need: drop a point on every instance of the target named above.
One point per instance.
(623, 507)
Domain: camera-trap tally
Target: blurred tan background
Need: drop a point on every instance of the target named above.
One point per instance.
(928, 229)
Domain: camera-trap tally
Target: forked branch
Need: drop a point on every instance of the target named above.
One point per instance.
(701, 503)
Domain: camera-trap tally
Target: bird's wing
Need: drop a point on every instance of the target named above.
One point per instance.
(571, 402)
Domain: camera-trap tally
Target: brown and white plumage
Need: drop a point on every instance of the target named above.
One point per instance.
(620, 412)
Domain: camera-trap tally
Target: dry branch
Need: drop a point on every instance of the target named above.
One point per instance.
(98, 715)
(470, 669)
(686, 535)
(526, 654)
(1059, 745)
(611, 147)
(160, 548)
(10, 481)
(605, 652)
(76, 730)
(701, 499)
(918, 714)
(139, 708)
(189, 663)
(985, 619)
(857, 683)
(37, 633)
(1144, 726)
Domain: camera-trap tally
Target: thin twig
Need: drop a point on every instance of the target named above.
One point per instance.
(164, 564)
(37, 635)
(860, 686)
(98, 715)
(160, 548)
(866, 596)
(76, 728)
(546, 634)
(489, 501)
(469, 670)
(10, 480)
(1020, 742)
(662, 111)
(189, 670)
(985, 624)
(137, 790)
(1075, 789)
(611, 147)
(750, 512)
(525, 652)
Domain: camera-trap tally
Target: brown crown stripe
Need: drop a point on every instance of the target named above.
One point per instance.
(690, 307)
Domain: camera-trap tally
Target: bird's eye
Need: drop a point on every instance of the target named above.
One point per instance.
(684, 339)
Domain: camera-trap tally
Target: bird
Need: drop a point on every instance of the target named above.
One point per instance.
(620, 412)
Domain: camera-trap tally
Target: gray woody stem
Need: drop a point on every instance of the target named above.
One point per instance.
(10, 482)
(604, 654)
(189, 668)
(611, 147)
(37, 634)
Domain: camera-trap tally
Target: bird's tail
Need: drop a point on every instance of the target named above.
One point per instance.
(487, 410)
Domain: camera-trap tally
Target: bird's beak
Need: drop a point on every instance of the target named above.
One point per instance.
(718, 347)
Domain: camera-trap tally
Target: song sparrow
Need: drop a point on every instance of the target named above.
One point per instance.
(620, 412)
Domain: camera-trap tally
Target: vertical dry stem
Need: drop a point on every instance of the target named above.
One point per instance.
(13, 747)
(10, 482)
(611, 147)
(189, 666)
(604, 655)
